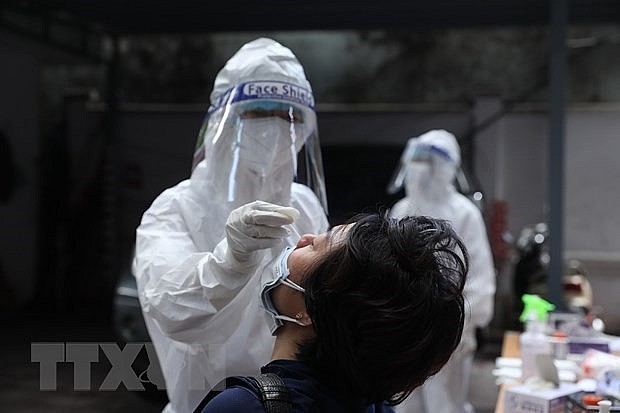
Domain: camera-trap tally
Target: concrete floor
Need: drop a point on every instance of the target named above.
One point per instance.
(20, 381)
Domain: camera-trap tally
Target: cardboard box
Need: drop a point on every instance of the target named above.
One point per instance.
(524, 399)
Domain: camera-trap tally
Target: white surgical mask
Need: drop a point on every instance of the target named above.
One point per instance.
(266, 144)
(418, 178)
(273, 275)
(263, 164)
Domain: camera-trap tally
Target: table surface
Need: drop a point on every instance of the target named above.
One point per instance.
(510, 348)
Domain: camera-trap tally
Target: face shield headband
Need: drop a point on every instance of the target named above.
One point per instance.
(255, 91)
(265, 128)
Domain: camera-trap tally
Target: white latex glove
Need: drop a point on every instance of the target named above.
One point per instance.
(255, 226)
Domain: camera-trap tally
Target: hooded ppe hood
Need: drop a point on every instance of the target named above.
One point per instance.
(429, 162)
(260, 133)
(261, 59)
(445, 142)
(436, 183)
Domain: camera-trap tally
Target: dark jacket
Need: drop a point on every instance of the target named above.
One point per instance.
(307, 394)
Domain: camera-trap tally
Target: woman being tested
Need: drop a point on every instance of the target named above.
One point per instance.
(363, 314)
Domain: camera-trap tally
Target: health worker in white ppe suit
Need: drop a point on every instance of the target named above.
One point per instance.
(427, 170)
(202, 244)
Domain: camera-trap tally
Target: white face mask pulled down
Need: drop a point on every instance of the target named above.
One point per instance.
(273, 275)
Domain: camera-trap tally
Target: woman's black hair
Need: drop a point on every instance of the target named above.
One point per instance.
(387, 306)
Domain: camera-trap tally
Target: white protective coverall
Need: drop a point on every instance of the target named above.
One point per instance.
(201, 307)
(429, 163)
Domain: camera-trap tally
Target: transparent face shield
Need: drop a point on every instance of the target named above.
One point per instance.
(256, 140)
(418, 159)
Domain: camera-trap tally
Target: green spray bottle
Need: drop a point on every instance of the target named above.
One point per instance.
(533, 340)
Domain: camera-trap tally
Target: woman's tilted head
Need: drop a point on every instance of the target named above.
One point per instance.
(385, 298)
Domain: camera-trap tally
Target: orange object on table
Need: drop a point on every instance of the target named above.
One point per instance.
(591, 399)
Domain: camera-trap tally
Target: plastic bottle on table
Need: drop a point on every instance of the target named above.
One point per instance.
(533, 341)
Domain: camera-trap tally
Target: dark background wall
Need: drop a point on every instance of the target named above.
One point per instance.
(59, 215)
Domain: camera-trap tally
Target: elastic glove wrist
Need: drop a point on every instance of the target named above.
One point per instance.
(242, 262)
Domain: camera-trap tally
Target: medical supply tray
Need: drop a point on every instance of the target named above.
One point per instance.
(574, 404)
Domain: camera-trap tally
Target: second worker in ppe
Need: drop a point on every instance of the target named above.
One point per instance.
(427, 170)
(201, 244)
